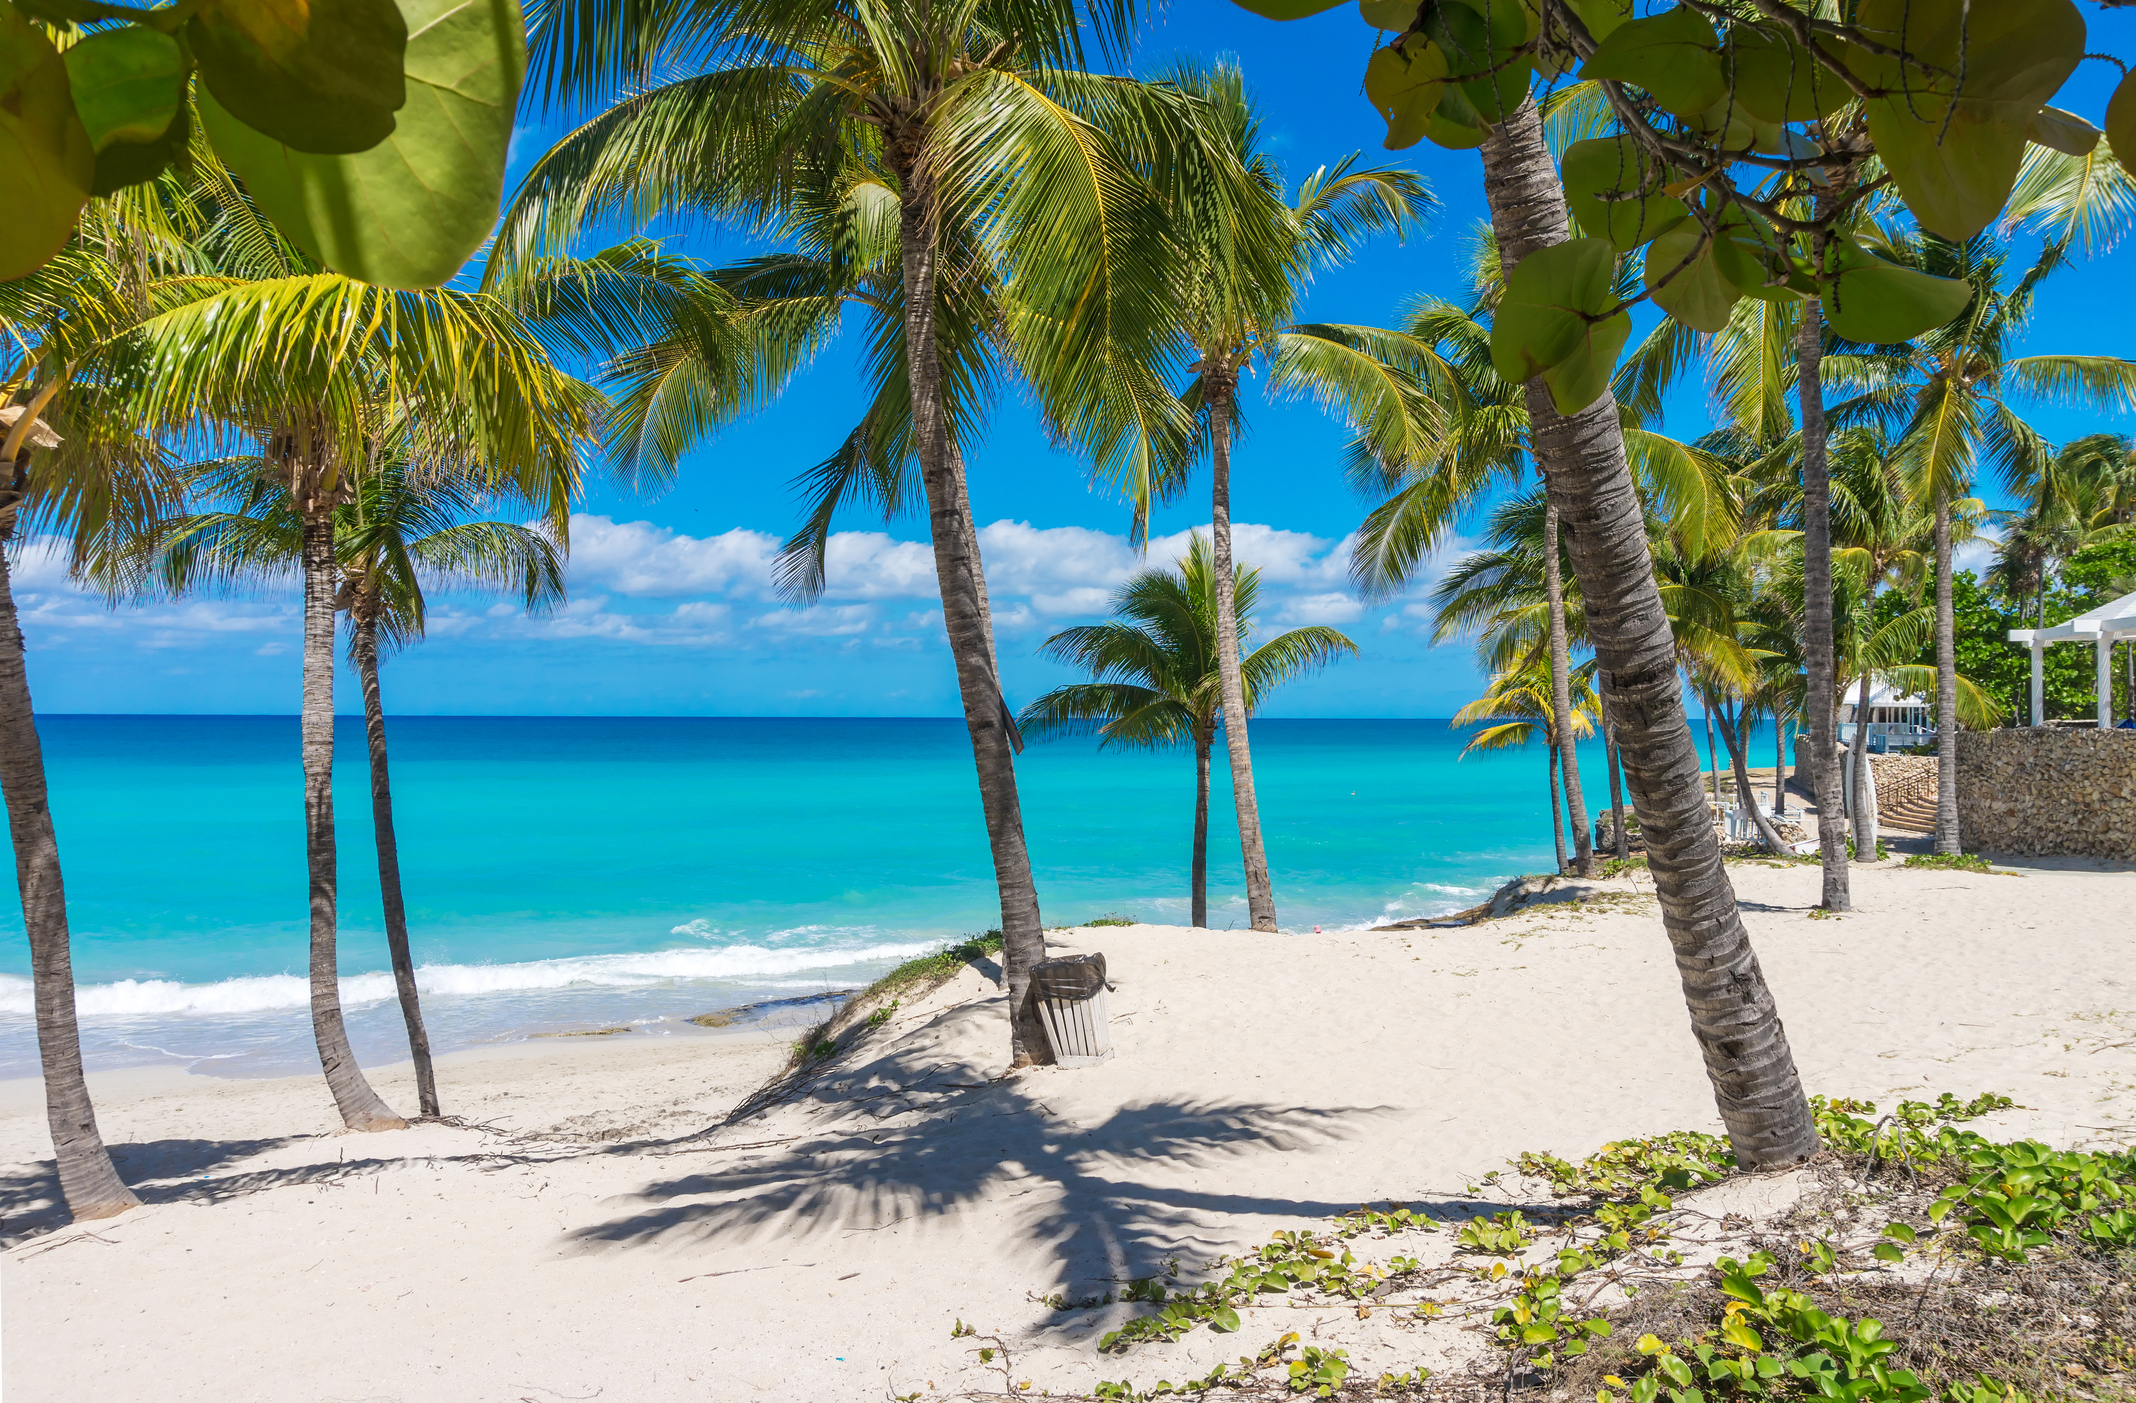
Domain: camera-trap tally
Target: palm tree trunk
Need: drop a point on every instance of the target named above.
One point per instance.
(1733, 1017)
(1947, 836)
(958, 572)
(1779, 763)
(1557, 814)
(1260, 896)
(1583, 851)
(1203, 739)
(389, 882)
(1820, 664)
(359, 1104)
(87, 1179)
(1861, 809)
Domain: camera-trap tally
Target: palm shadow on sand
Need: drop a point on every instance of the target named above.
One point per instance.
(1109, 1199)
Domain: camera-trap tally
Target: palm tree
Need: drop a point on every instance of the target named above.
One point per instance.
(402, 525)
(75, 473)
(1232, 315)
(1583, 459)
(1953, 386)
(1524, 705)
(1444, 347)
(980, 133)
(1154, 676)
(317, 370)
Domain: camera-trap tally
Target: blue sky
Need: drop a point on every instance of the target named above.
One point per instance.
(672, 613)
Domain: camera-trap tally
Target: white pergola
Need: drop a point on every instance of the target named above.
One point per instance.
(2103, 627)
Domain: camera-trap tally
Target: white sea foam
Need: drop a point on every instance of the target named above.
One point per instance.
(262, 993)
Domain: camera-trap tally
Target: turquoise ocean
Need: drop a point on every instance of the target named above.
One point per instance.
(575, 872)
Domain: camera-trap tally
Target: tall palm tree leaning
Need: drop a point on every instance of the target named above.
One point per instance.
(399, 527)
(980, 121)
(1155, 682)
(1232, 314)
(318, 370)
(1582, 459)
(82, 478)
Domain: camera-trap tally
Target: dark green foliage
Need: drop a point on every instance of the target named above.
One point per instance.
(2003, 669)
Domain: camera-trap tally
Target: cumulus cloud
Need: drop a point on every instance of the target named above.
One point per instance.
(639, 559)
(640, 584)
(1320, 609)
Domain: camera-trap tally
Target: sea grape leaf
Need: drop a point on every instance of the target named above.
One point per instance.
(44, 148)
(1756, 260)
(1601, 16)
(1394, 16)
(1674, 55)
(1729, 126)
(1955, 154)
(1286, 9)
(129, 89)
(2121, 121)
(1404, 87)
(1614, 191)
(1551, 322)
(410, 211)
(1480, 53)
(1868, 299)
(1776, 79)
(2063, 131)
(322, 76)
(1454, 124)
(1695, 294)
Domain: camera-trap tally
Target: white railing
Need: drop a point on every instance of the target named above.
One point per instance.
(1889, 735)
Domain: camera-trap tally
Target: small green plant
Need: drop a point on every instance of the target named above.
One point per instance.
(1883, 849)
(1949, 862)
(1500, 1235)
(1111, 918)
(1535, 1320)
(1320, 1372)
(959, 1330)
(823, 1047)
(881, 1016)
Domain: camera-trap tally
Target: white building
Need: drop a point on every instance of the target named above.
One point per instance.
(2103, 627)
(1896, 720)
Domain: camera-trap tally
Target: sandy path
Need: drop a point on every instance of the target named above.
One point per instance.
(1261, 1082)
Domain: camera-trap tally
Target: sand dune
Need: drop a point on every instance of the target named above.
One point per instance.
(583, 1236)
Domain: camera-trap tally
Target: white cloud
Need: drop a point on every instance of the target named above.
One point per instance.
(823, 621)
(1320, 609)
(637, 583)
(873, 565)
(642, 560)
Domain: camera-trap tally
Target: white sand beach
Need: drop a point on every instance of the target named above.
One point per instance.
(583, 1236)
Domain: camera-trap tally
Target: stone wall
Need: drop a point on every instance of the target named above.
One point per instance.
(2042, 793)
(1900, 779)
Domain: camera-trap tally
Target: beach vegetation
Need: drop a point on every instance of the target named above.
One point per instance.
(1949, 862)
(1111, 918)
(1155, 679)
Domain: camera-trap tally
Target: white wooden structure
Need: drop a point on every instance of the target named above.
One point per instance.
(2103, 627)
(1895, 719)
